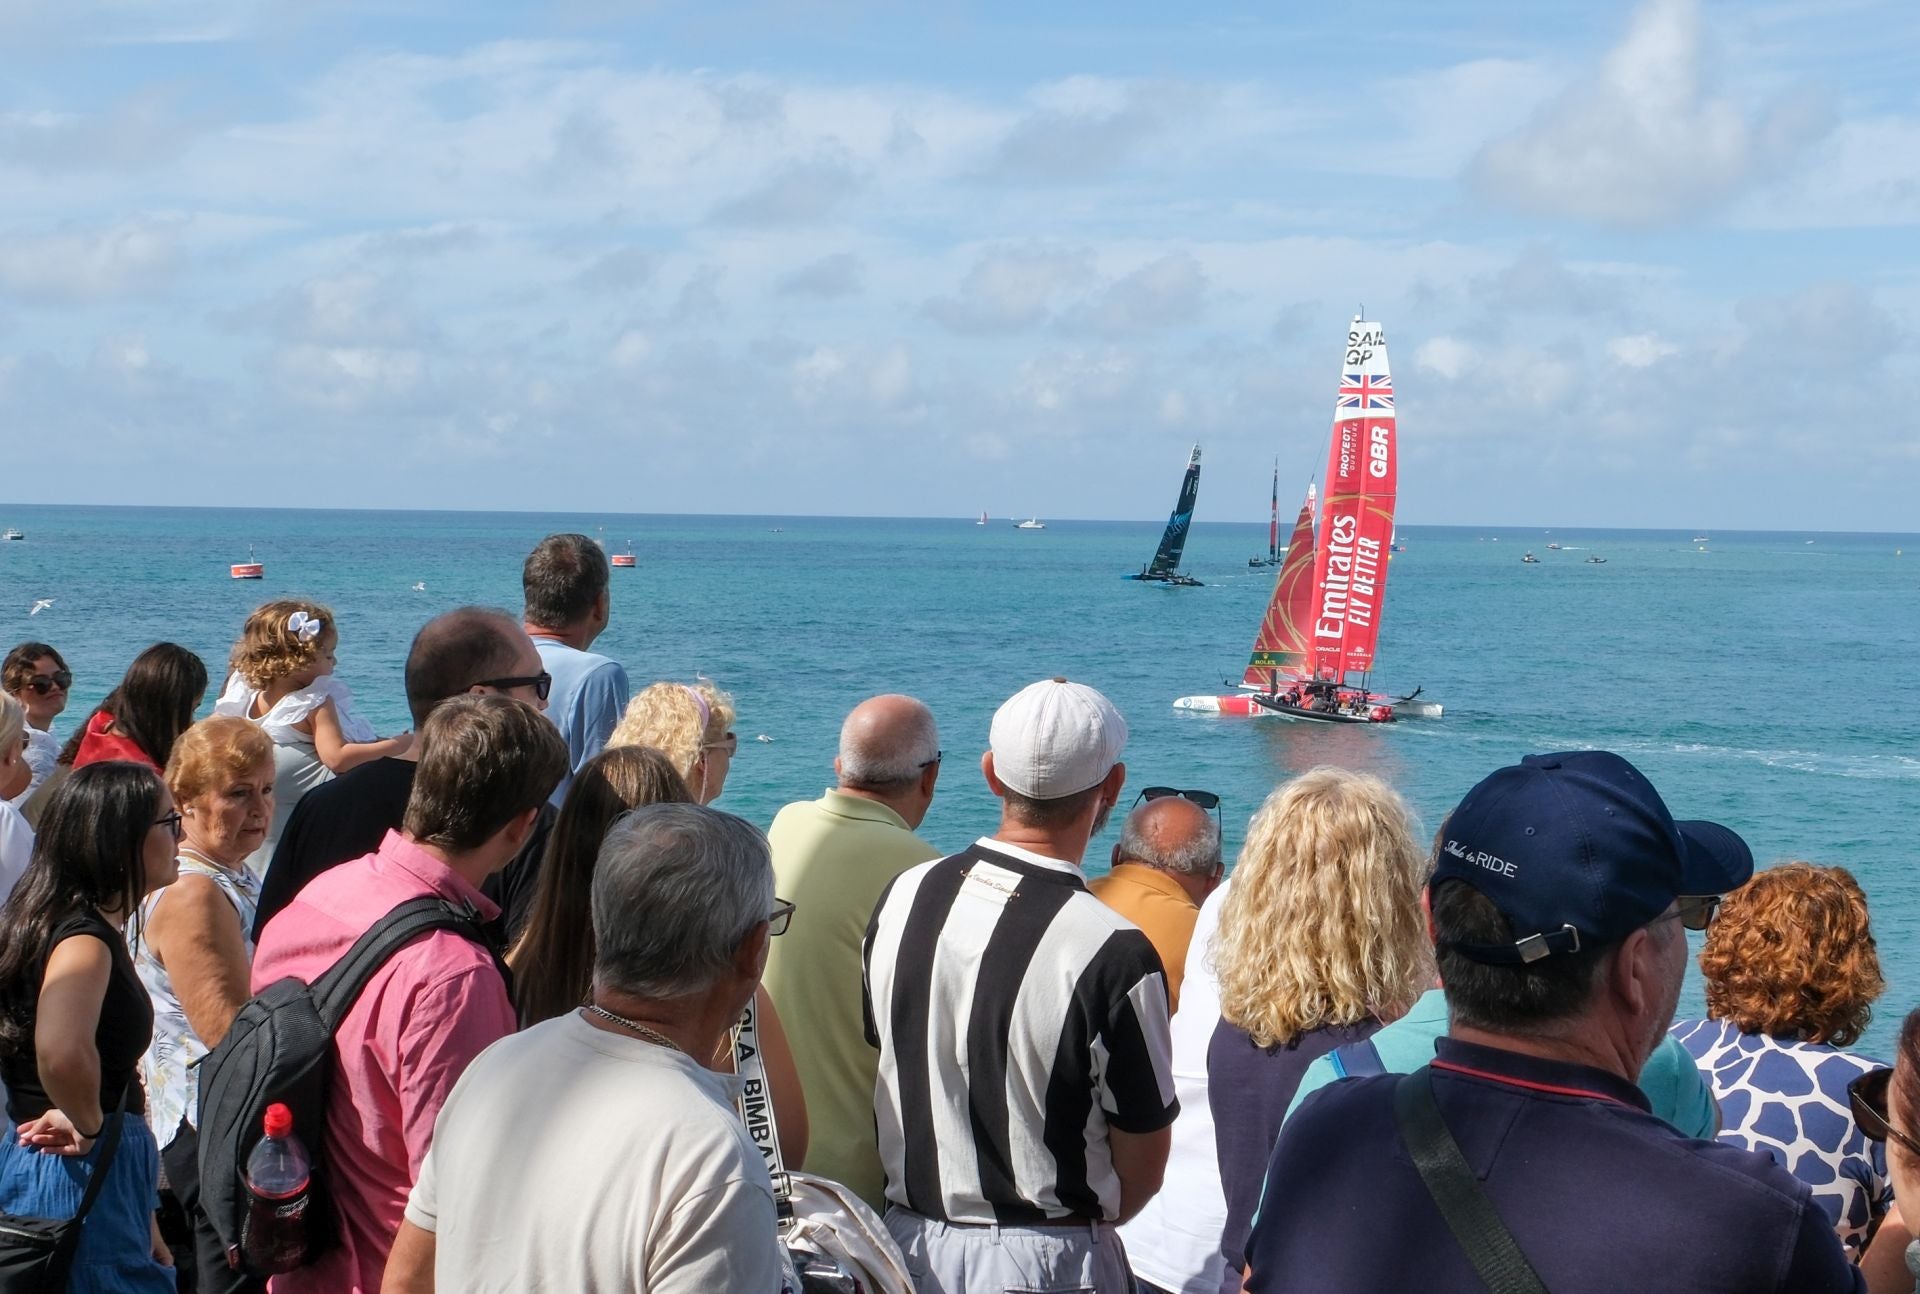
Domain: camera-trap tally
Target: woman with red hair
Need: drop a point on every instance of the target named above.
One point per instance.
(1792, 974)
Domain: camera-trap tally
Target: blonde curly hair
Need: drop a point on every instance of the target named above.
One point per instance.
(268, 651)
(1323, 925)
(668, 717)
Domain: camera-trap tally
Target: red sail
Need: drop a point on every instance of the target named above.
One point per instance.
(1356, 521)
(1282, 642)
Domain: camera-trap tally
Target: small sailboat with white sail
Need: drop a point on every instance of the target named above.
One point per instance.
(1313, 656)
(1165, 566)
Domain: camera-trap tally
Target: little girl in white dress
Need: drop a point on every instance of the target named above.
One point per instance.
(283, 680)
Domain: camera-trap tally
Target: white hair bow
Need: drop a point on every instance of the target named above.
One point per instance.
(304, 627)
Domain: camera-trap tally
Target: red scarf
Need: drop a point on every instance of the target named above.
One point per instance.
(99, 745)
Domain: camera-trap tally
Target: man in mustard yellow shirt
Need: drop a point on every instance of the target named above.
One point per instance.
(832, 858)
(1167, 862)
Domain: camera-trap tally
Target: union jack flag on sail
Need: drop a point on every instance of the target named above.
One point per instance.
(1366, 391)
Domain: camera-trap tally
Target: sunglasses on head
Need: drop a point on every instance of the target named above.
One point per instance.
(1867, 1098)
(541, 683)
(41, 684)
(1205, 799)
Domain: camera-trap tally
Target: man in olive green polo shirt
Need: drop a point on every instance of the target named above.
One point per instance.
(832, 858)
(1167, 862)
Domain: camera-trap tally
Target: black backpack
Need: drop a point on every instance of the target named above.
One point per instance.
(280, 1049)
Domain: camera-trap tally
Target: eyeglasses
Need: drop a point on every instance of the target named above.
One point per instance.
(541, 683)
(938, 755)
(781, 917)
(41, 684)
(1867, 1097)
(171, 822)
(729, 743)
(1692, 911)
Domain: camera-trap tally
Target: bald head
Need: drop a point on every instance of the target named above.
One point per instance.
(885, 743)
(1172, 834)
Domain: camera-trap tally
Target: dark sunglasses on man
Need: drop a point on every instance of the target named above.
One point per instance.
(1867, 1098)
(541, 683)
(41, 684)
(1204, 799)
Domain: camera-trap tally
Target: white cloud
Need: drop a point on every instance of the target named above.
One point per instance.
(1647, 138)
(1641, 350)
(1010, 288)
(1447, 356)
(631, 349)
(71, 265)
(1167, 292)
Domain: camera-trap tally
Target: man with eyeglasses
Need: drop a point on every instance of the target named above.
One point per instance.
(1166, 863)
(835, 856)
(1524, 1157)
(467, 650)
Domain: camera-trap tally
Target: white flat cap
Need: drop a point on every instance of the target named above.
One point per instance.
(1054, 738)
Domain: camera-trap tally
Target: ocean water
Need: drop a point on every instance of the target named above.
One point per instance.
(1767, 682)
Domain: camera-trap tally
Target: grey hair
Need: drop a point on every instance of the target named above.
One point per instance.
(892, 756)
(675, 889)
(1199, 856)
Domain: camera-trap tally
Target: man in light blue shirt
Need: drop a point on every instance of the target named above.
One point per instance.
(566, 584)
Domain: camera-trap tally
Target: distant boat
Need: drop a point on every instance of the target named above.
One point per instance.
(623, 559)
(1699, 539)
(1165, 566)
(11, 533)
(1273, 526)
(983, 519)
(1031, 523)
(1531, 559)
(249, 569)
(1553, 548)
(1596, 560)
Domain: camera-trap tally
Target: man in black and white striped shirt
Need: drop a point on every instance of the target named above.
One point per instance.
(1025, 1095)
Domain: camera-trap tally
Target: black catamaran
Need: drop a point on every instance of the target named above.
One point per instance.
(1165, 566)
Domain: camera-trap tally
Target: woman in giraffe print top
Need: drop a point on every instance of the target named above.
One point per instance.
(1792, 974)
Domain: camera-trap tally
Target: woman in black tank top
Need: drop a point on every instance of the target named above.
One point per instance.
(75, 1020)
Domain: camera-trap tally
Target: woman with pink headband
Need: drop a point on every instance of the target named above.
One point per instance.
(692, 725)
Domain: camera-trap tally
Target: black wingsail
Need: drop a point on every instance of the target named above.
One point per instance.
(1167, 559)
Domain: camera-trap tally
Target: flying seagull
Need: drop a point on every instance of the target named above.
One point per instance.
(40, 605)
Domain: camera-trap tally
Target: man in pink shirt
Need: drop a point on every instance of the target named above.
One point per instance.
(487, 764)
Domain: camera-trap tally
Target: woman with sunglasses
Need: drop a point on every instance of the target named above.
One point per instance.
(35, 675)
(75, 1021)
(1791, 977)
(692, 725)
(552, 961)
(1885, 1104)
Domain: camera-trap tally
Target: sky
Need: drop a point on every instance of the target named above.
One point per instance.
(1638, 264)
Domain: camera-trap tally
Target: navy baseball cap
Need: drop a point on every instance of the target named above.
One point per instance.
(1577, 850)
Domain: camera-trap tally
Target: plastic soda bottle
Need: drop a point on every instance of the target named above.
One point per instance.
(274, 1237)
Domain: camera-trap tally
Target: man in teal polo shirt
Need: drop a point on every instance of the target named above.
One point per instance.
(1670, 1079)
(832, 858)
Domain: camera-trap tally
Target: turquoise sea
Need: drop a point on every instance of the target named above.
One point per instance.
(1767, 681)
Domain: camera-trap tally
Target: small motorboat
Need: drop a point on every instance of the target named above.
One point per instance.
(1031, 523)
(1596, 560)
(249, 569)
(11, 533)
(1531, 560)
(1553, 548)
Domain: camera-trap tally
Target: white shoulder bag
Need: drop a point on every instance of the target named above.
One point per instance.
(834, 1243)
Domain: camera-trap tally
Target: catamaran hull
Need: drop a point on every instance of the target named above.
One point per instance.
(1176, 581)
(1245, 706)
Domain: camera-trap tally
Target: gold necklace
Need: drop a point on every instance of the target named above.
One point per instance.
(646, 1033)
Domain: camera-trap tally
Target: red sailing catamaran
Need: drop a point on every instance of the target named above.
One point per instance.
(1314, 654)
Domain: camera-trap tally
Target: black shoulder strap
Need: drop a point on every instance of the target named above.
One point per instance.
(109, 1147)
(334, 992)
(1463, 1202)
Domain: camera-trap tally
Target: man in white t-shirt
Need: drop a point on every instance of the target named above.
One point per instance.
(594, 1152)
